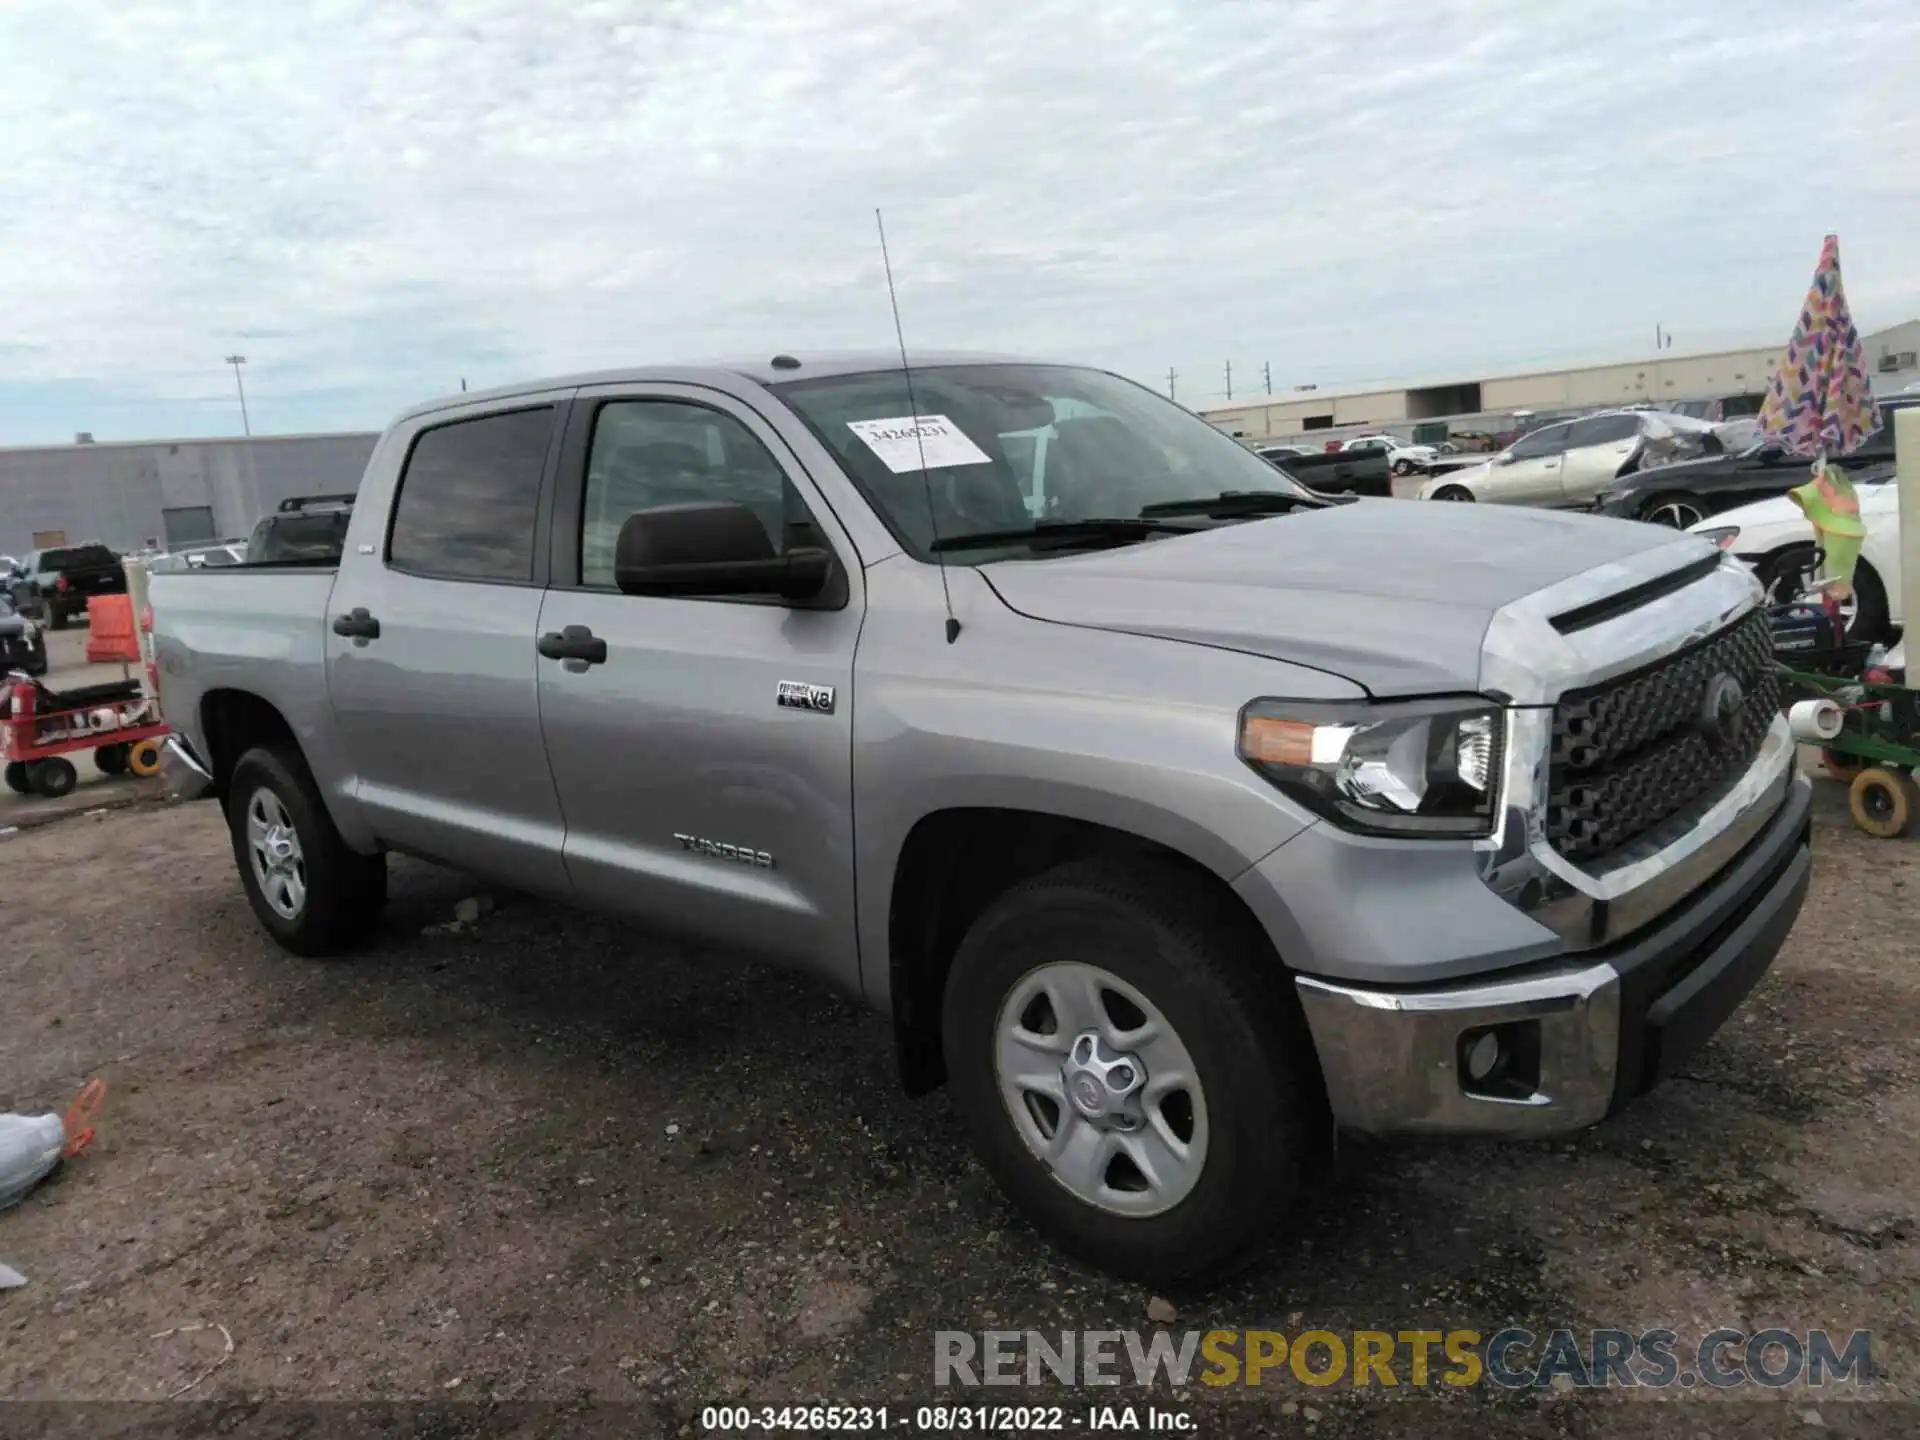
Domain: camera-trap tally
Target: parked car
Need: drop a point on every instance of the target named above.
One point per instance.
(304, 530)
(64, 578)
(22, 646)
(1568, 465)
(1717, 408)
(1684, 494)
(1172, 829)
(1775, 539)
(216, 553)
(1403, 457)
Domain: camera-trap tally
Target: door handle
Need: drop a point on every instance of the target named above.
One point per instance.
(576, 642)
(358, 624)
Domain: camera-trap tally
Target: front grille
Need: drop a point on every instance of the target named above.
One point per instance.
(1632, 752)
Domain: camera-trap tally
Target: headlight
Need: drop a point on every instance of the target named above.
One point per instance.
(1721, 538)
(1423, 767)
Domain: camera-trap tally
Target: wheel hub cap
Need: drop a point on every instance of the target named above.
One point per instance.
(1101, 1088)
(278, 864)
(1102, 1082)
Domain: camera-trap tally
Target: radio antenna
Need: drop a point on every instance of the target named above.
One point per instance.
(913, 406)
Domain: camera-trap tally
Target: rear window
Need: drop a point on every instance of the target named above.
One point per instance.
(294, 539)
(76, 557)
(469, 497)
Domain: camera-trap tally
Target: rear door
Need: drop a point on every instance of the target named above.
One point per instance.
(430, 647)
(1596, 449)
(1532, 476)
(699, 794)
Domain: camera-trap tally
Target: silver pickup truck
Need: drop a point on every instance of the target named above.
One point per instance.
(1176, 816)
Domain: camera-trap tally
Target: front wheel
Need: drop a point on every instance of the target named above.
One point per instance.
(16, 774)
(1677, 512)
(1453, 492)
(1793, 573)
(311, 892)
(1135, 1074)
(1402, 467)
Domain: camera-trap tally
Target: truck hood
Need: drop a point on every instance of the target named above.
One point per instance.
(1393, 595)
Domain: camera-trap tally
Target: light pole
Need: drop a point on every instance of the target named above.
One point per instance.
(237, 361)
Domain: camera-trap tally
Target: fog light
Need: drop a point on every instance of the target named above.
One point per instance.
(1482, 1055)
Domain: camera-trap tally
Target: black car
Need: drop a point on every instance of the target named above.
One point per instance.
(63, 578)
(1684, 494)
(22, 646)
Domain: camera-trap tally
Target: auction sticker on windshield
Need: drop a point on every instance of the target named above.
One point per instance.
(902, 443)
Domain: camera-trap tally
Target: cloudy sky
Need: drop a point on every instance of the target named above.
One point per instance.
(372, 201)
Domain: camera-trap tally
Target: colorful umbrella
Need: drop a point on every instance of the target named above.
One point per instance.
(1820, 403)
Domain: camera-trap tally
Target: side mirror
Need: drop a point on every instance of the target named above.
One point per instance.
(711, 547)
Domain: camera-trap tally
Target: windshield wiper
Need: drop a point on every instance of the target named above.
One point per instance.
(1114, 530)
(1237, 502)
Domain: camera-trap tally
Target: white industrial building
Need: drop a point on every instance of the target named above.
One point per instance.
(136, 494)
(1893, 359)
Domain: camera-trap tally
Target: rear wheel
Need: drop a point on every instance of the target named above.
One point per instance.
(1134, 1071)
(313, 893)
(1678, 511)
(1453, 492)
(143, 757)
(52, 777)
(56, 615)
(112, 759)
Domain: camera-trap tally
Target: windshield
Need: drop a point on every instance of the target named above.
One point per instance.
(1008, 447)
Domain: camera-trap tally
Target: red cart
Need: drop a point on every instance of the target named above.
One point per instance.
(119, 721)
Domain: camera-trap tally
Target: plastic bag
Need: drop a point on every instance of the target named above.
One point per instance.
(31, 1145)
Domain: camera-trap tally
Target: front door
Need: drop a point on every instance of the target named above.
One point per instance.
(1532, 475)
(1596, 449)
(431, 659)
(704, 765)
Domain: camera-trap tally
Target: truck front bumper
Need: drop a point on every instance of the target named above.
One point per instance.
(1544, 1049)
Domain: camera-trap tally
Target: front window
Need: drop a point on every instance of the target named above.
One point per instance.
(1009, 447)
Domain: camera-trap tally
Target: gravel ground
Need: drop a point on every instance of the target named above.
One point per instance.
(542, 1158)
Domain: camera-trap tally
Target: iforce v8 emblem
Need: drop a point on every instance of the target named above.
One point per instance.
(799, 695)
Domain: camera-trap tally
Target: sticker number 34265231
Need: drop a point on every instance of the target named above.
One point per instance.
(901, 443)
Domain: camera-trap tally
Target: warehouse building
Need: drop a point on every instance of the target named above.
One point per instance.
(1891, 360)
(140, 494)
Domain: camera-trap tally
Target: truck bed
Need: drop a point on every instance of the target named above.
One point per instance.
(257, 628)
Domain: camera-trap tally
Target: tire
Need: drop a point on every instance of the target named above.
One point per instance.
(1453, 492)
(1402, 467)
(1788, 574)
(36, 662)
(56, 617)
(1088, 929)
(1880, 803)
(143, 758)
(52, 777)
(336, 894)
(17, 778)
(1677, 510)
(112, 759)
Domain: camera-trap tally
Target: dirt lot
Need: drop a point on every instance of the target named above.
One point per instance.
(543, 1158)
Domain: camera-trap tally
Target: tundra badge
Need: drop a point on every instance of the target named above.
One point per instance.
(746, 855)
(799, 695)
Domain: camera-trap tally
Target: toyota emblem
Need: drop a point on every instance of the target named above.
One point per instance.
(1720, 707)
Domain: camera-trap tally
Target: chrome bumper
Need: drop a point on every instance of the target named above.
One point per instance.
(1590, 1033)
